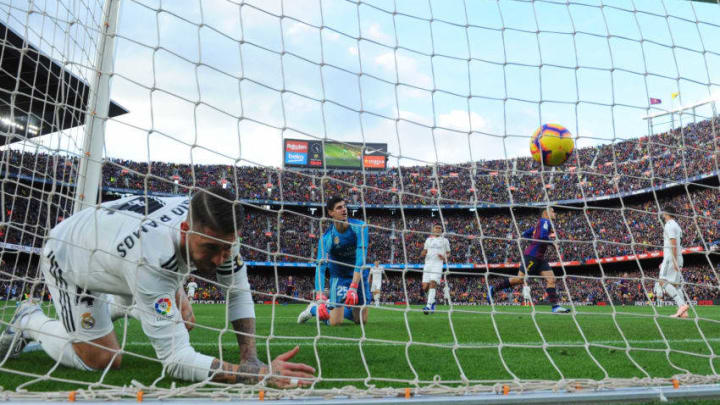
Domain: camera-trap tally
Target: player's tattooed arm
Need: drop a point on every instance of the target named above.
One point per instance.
(251, 369)
(245, 334)
(245, 373)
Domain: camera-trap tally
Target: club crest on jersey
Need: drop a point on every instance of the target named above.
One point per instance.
(87, 321)
(163, 306)
(336, 240)
(239, 261)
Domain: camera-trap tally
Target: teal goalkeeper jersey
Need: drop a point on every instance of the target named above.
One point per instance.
(341, 253)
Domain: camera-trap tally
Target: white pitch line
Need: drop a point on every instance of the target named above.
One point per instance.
(309, 342)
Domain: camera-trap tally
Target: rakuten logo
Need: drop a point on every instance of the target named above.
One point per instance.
(295, 146)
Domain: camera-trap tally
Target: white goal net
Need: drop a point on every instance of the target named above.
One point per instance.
(417, 114)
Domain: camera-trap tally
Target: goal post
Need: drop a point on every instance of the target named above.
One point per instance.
(417, 115)
(89, 179)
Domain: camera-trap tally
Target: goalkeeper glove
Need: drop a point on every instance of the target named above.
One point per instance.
(322, 310)
(351, 298)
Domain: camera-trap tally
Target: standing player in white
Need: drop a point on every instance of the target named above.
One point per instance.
(191, 287)
(436, 251)
(670, 278)
(141, 249)
(376, 273)
(526, 294)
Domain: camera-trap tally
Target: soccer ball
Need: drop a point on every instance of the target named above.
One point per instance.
(552, 143)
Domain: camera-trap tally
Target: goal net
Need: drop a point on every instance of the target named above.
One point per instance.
(416, 114)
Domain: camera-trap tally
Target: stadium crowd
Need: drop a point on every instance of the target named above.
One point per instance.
(479, 237)
(621, 166)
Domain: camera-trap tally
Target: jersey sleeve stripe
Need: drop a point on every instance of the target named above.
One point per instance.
(172, 262)
(225, 271)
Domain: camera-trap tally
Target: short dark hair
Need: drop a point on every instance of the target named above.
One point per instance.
(670, 210)
(333, 201)
(217, 209)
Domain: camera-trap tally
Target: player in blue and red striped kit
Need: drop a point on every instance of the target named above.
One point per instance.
(534, 262)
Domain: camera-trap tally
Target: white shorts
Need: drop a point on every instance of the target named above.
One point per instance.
(432, 272)
(527, 297)
(85, 315)
(668, 273)
(376, 285)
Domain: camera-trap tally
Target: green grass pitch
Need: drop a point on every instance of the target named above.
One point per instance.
(389, 357)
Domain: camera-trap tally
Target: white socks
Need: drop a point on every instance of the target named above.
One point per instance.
(676, 294)
(376, 297)
(446, 293)
(53, 338)
(431, 297)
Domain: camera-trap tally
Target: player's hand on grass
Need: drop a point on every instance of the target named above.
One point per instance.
(286, 374)
(351, 298)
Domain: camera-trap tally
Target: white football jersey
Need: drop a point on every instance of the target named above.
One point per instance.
(672, 231)
(436, 246)
(526, 292)
(131, 246)
(191, 287)
(376, 274)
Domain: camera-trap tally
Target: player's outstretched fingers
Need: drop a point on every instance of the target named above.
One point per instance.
(299, 367)
(287, 355)
(293, 374)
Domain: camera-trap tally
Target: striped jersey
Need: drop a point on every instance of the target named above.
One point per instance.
(540, 233)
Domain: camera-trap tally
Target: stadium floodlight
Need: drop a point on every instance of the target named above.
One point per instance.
(418, 115)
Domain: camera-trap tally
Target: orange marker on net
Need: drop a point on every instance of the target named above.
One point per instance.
(139, 396)
(506, 389)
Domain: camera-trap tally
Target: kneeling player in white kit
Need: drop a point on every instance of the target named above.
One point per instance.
(376, 274)
(670, 277)
(191, 287)
(436, 251)
(141, 249)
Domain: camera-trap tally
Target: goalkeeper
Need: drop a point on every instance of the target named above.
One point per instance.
(140, 250)
(342, 250)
